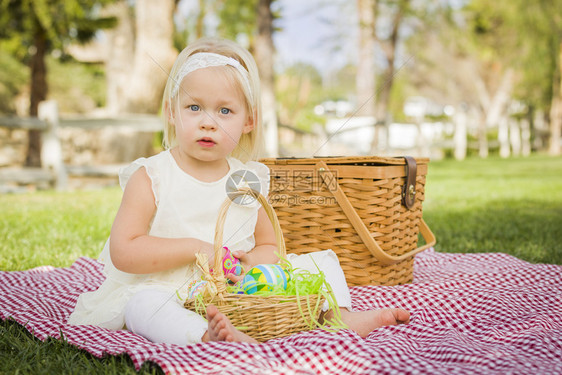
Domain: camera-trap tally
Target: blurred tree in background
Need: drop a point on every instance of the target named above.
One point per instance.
(141, 53)
(299, 89)
(374, 96)
(487, 56)
(239, 20)
(491, 60)
(13, 76)
(40, 27)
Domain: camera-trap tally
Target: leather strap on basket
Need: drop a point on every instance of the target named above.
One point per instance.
(359, 226)
(409, 188)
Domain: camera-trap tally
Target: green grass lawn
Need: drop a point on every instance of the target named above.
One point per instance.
(54, 228)
(494, 205)
(512, 206)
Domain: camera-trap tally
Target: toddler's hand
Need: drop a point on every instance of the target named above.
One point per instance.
(245, 261)
(209, 249)
(233, 278)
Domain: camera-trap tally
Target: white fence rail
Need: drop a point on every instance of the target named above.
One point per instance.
(53, 170)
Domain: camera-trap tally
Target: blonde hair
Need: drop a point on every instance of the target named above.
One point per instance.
(249, 145)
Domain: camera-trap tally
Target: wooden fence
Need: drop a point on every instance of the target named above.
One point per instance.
(53, 170)
(513, 136)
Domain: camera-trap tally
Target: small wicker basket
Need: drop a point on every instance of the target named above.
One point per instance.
(261, 317)
(368, 210)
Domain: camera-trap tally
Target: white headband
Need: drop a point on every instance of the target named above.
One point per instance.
(202, 60)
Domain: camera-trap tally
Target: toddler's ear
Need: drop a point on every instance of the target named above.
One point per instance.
(249, 126)
(169, 113)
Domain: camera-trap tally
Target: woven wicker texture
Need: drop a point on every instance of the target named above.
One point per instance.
(261, 317)
(352, 206)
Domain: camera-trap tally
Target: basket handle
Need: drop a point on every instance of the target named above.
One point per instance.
(219, 228)
(360, 227)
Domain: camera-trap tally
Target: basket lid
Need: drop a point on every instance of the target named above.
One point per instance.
(343, 160)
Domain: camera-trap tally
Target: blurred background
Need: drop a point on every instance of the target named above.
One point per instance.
(81, 80)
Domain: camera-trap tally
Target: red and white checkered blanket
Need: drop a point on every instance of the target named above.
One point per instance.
(471, 314)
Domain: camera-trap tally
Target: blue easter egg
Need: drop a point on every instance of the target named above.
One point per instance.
(265, 277)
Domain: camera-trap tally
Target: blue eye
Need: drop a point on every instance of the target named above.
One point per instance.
(225, 111)
(194, 107)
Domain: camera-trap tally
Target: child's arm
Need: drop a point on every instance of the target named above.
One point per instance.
(132, 249)
(266, 246)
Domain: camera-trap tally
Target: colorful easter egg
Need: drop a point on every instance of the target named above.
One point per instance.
(265, 277)
(231, 264)
(195, 287)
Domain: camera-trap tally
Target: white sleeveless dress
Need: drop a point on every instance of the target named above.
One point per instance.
(185, 207)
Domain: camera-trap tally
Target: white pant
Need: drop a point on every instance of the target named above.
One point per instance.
(159, 317)
(327, 261)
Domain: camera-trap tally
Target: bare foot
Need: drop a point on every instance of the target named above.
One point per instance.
(364, 322)
(221, 329)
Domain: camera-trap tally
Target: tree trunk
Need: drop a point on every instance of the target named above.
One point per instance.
(460, 135)
(493, 108)
(200, 24)
(525, 137)
(38, 94)
(501, 98)
(515, 136)
(482, 137)
(503, 137)
(121, 40)
(389, 47)
(154, 55)
(556, 110)
(264, 54)
(382, 113)
(365, 79)
(555, 125)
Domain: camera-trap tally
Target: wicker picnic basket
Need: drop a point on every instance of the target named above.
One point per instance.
(368, 210)
(261, 317)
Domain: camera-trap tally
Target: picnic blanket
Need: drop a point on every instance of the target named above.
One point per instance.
(486, 313)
